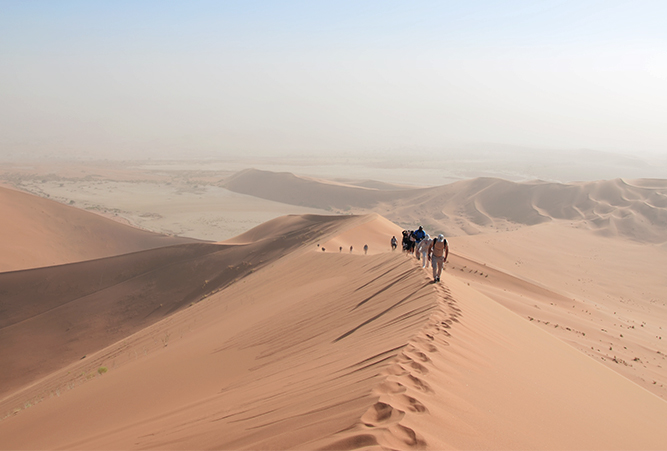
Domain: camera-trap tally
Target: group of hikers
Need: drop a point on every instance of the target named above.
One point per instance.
(426, 249)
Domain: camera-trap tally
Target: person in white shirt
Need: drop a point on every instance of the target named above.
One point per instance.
(423, 250)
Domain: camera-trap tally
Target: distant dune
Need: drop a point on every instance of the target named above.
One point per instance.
(291, 189)
(38, 232)
(635, 209)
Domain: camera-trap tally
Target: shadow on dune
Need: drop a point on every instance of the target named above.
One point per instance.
(52, 316)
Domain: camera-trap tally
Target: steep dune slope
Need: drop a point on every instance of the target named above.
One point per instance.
(498, 382)
(38, 232)
(52, 316)
(605, 296)
(327, 350)
(636, 209)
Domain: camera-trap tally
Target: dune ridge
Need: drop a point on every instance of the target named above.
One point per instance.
(635, 209)
(332, 350)
(284, 339)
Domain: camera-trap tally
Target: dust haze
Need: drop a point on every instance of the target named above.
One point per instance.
(197, 205)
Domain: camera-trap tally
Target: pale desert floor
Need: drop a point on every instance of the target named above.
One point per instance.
(168, 198)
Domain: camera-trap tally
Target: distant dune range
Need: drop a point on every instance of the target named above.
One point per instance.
(633, 209)
(290, 337)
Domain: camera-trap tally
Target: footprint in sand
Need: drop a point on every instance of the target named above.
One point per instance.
(407, 436)
(420, 384)
(411, 404)
(380, 414)
(425, 344)
(391, 387)
(415, 366)
(420, 356)
(354, 442)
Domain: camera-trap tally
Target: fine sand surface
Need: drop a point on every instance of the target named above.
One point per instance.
(81, 307)
(606, 297)
(546, 331)
(38, 232)
(334, 350)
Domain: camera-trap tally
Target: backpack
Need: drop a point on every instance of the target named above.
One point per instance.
(439, 248)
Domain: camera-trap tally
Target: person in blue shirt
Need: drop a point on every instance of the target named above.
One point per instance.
(420, 234)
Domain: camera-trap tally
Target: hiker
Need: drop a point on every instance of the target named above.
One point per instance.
(350, 249)
(419, 234)
(417, 237)
(422, 249)
(365, 249)
(437, 254)
(406, 241)
(340, 249)
(394, 243)
(413, 242)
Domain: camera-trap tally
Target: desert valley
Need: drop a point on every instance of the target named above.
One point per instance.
(175, 306)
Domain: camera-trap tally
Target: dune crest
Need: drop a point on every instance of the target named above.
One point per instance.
(271, 333)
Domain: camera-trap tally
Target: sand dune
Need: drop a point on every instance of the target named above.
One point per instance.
(291, 189)
(38, 232)
(53, 315)
(636, 209)
(604, 296)
(331, 350)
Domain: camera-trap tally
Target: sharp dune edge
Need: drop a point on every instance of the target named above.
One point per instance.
(270, 343)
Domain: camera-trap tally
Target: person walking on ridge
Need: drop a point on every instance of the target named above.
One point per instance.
(422, 249)
(437, 254)
(418, 236)
(394, 243)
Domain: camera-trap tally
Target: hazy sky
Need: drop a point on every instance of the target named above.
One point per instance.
(204, 78)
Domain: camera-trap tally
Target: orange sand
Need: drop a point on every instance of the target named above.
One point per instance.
(267, 342)
(38, 232)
